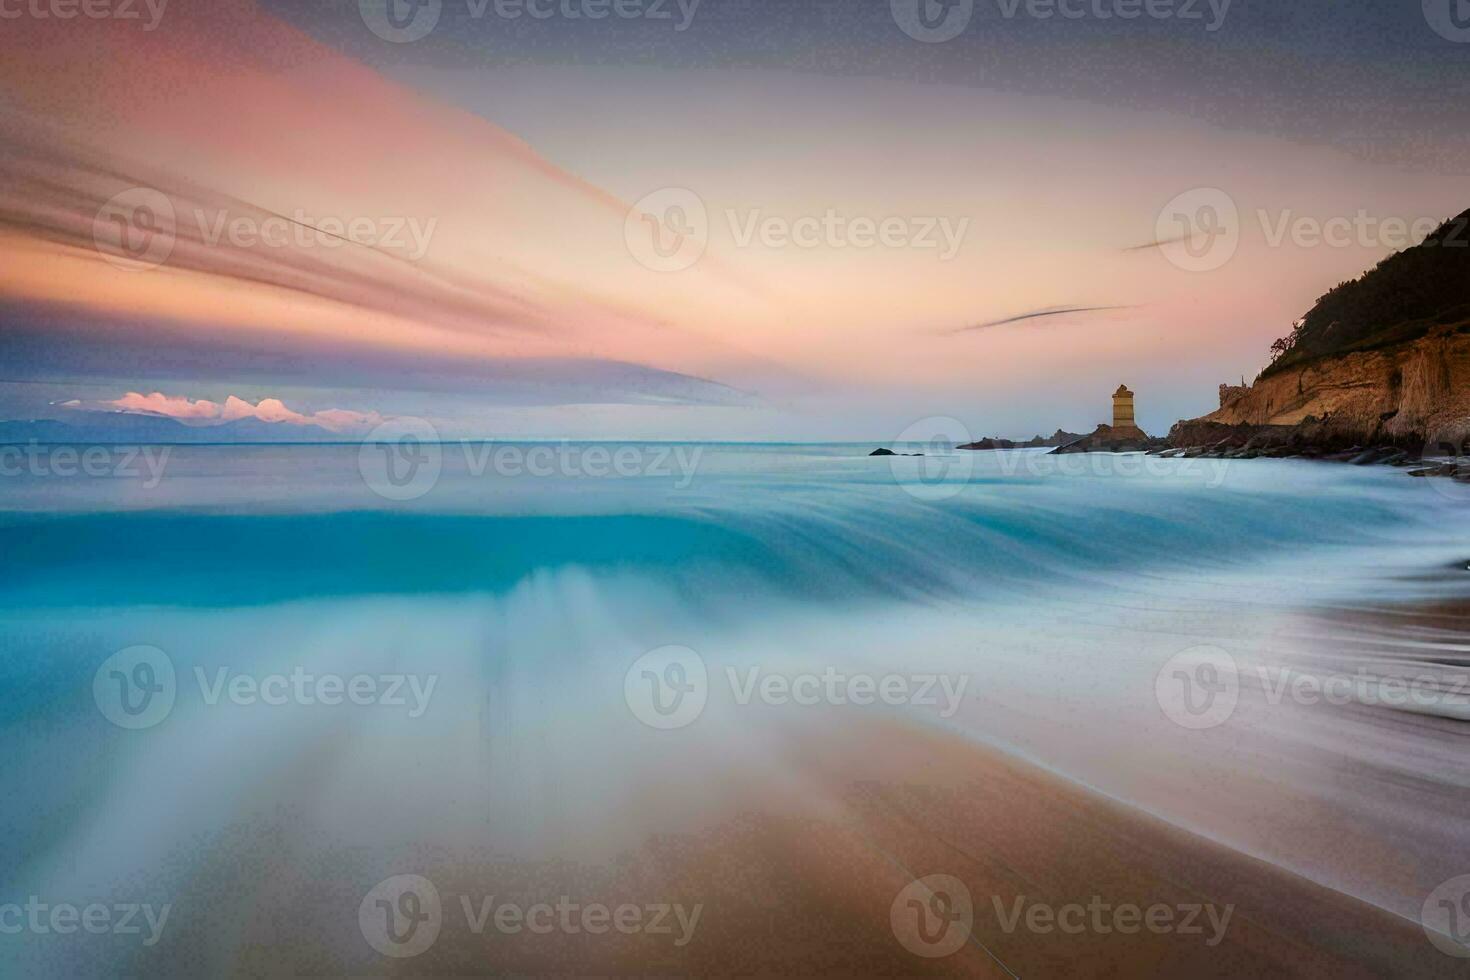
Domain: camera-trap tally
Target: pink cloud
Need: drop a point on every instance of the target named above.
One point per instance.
(269, 410)
(266, 410)
(160, 404)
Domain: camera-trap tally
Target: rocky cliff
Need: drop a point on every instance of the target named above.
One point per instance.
(1410, 394)
(1382, 360)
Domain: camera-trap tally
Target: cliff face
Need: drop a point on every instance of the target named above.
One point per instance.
(1409, 394)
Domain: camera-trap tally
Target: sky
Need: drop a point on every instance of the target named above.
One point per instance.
(723, 220)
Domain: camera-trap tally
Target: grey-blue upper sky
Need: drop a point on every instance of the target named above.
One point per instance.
(1369, 76)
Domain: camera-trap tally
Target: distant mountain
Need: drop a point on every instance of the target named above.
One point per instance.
(1403, 298)
(109, 428)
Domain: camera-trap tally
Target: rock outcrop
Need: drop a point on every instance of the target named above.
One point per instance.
(1113, 439)
(1059, 438)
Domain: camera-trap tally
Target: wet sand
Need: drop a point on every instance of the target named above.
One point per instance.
(795, 833)
(785, 894)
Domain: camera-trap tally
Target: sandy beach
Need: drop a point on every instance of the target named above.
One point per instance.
(789, 894)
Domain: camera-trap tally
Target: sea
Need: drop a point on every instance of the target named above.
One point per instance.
(237, 679)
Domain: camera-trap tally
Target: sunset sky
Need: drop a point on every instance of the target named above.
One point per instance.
(983, 227)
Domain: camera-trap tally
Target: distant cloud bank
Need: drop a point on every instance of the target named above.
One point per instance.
(266, 410)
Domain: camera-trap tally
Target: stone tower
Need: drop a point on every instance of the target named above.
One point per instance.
(1123, 409)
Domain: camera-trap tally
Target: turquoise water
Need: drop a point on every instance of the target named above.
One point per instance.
(1058, 589)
